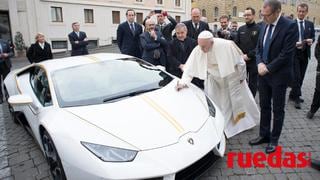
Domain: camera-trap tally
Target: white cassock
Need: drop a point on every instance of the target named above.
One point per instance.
(222, 68)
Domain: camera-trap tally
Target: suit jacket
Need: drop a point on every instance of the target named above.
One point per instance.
(6, 49)
(81, 47)
(36, 54)
(128, 42)
(317, 53)
(151, 46)
(281, 51)
(168, 28)
(309, 33)
(192, 32)
(247, 39)
(178, 55)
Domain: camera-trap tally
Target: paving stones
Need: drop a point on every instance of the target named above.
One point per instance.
(21, 158)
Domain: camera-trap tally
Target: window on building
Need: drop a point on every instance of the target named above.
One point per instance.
(216, 12)
(115, 17)
(177, 3)
(204, 13)
(139, 18)
(56, 14)
(59, 44)
(88, 16)
(139, 0)
(178, 19)
(234, 11)
(92, 44)
(159, 1)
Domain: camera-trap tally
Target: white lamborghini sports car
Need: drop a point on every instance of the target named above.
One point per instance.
(112, 116)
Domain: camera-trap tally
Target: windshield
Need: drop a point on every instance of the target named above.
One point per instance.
(106, 81)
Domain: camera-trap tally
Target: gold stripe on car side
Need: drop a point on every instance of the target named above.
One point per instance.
(163, 112)
(93, 58)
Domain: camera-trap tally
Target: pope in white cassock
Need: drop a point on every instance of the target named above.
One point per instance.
(220, 64)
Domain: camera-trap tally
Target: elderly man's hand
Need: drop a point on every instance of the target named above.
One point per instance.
(262, 69)
(180, 86)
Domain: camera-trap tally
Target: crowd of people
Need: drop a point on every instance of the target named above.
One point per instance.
(272, 55)
(230, 64)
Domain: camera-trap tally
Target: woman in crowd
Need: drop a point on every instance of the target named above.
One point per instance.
(40, 50)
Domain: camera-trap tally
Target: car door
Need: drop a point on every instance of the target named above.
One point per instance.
(35, 83)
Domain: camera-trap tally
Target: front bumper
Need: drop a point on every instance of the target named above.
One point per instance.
(182, 160)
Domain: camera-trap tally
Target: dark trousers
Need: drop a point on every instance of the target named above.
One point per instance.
(252, 71)
(4, 71)
(300, 64)
(275, 92)
(316, 97)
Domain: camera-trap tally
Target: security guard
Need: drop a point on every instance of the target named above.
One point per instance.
(247, 39)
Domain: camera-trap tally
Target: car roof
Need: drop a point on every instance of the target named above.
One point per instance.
(61, 63)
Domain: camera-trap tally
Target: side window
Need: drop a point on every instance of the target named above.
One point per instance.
(40, 86)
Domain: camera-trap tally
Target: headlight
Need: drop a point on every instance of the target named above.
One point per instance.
(110, 154)
(212, 109)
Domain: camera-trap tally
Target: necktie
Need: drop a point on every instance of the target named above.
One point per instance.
(196, 26)
(78, 34)
(267, 44)
(301, 31)
(132, 28)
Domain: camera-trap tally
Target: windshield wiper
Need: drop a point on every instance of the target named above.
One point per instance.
(129, 94)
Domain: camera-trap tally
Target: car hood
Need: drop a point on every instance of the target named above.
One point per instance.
(151, 120)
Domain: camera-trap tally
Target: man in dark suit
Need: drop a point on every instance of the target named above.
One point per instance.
(128, 35)
(195, 25)
(179, 50)
(40, 50)
(166, 28)
(302, 55)
(5, 63)
(224, 32)
(78, 40)
(275, 50)
(153, 45)
(316, 96)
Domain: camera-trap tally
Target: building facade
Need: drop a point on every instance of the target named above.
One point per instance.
(213, 9)
(98, 18)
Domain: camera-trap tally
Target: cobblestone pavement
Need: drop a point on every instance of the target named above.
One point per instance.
(21, 158)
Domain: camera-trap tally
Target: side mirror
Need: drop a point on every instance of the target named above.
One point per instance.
(22, 99)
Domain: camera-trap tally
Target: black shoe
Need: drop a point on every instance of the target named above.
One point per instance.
(1, 101)
(259, 140)
(310, 115)
(294, 99)
(315, 164)
(301, 100)
(271, 148)
(297, 104)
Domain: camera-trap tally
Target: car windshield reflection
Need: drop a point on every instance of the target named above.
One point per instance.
(106, 81)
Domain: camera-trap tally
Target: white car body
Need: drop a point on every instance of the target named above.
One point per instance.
(170, 130)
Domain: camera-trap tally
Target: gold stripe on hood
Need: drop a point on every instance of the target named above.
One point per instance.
(163, 112)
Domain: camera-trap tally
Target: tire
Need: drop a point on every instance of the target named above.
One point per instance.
(52, 157)
(13, 115)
